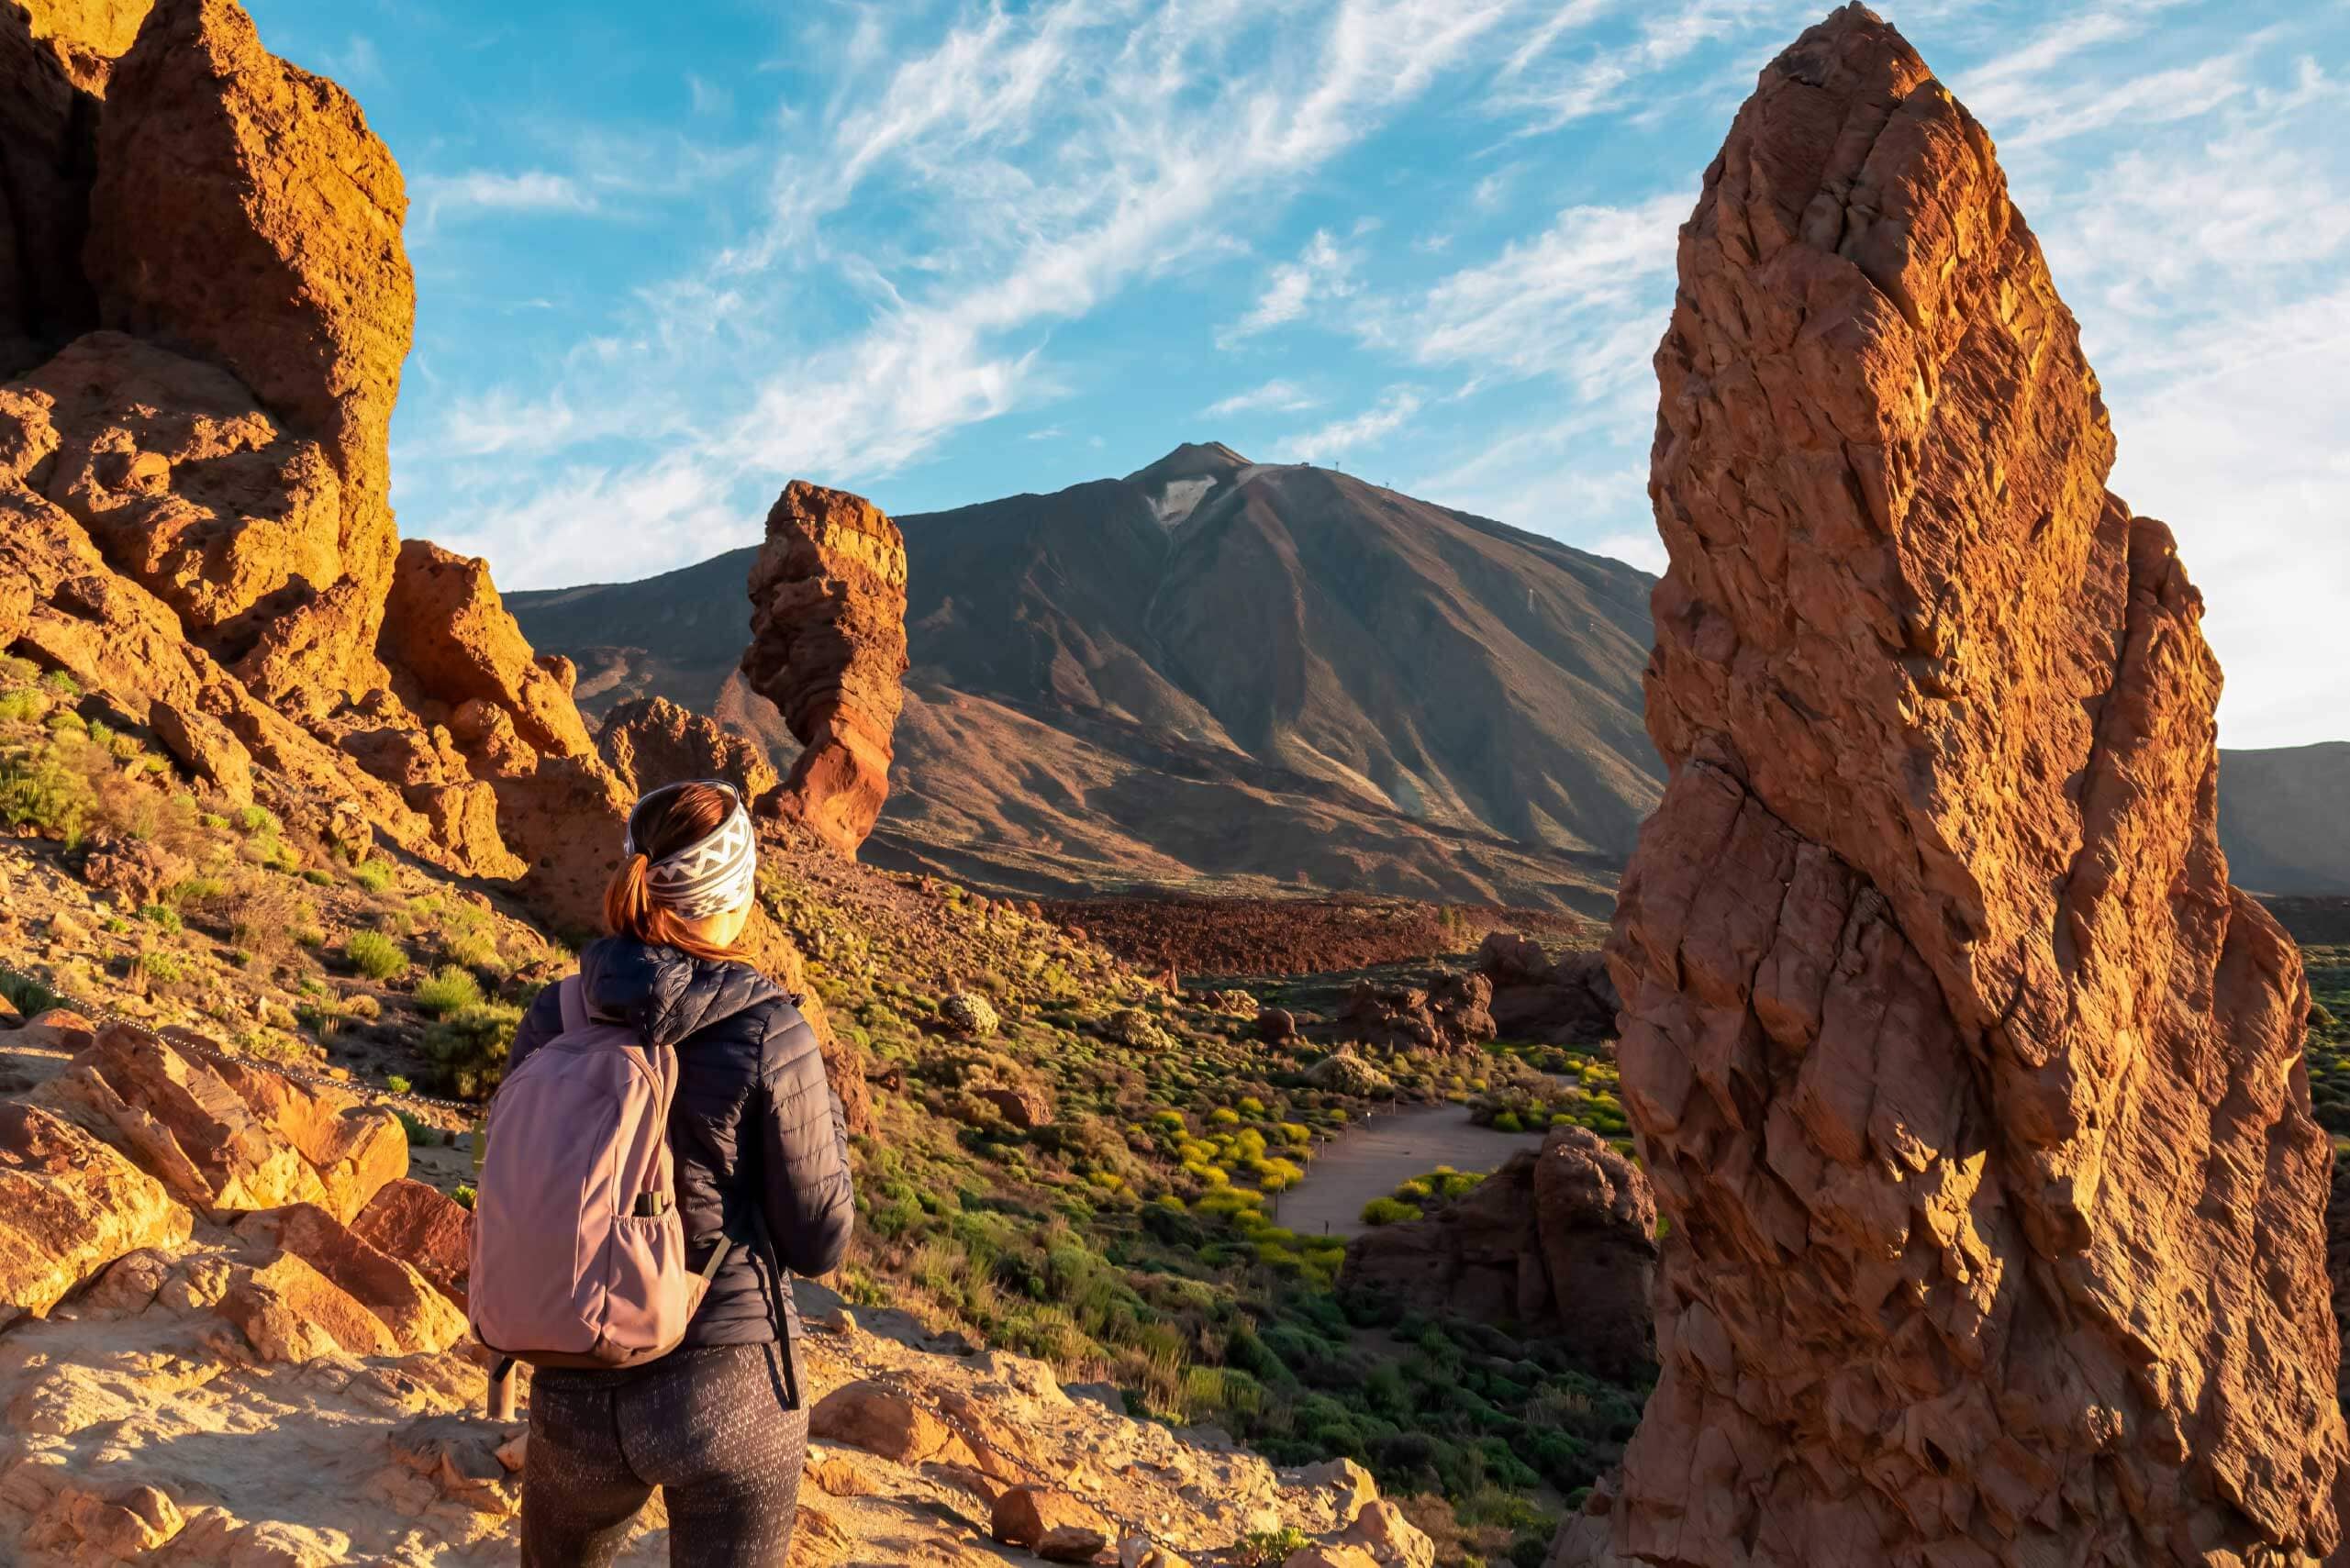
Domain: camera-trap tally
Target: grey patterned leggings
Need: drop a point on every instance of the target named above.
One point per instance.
(710, 1428)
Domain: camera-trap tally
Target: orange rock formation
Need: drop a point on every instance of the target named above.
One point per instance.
(828, 648)
(1970, 1087)
(194, 512)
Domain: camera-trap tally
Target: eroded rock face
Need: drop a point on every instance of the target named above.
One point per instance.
(1967, 1083)
(86, 37)
(183, 481)
(48, 130)
(654, 743)
(1556, 1244)
(1571, 1002)
(828, 648)
(244, 212)
(447, 628)
(460, 661)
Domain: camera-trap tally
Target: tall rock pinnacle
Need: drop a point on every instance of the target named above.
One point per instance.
(827, 646)
(1970, 1088)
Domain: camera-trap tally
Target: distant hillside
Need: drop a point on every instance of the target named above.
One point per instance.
(2285, 818)
(1216, 675)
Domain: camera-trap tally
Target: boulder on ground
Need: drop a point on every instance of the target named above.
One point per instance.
(69, 1206)
(135, 870)
(1571, 1002)
(1025, 1516)
(1452, 1014)
(1024, 1105)
(424, 1227)
(447, 628)
(356, 1148)
(1392, 1540)
(180, 1122)
(1558, 1244)
(419, 1318)
(886, 1421)
(288, 1311)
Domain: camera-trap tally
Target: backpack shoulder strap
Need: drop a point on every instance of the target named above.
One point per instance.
(573, 998)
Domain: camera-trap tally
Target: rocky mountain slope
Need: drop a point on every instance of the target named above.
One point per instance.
(1138, 683)
(1216, 673)
(1971, 1091)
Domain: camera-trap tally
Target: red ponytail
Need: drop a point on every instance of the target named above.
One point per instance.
(663, 825)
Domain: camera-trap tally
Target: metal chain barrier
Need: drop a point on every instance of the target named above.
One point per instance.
(195, 1045)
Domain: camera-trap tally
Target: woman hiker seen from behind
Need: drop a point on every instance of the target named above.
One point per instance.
(664, 1152)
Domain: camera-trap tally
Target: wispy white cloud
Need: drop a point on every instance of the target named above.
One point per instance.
(1366, 429)
(1546, 87)
(1118, 141)
(1581, 302)
(358, 63)
(1273, 398)
(1322, 271)
(487, 191)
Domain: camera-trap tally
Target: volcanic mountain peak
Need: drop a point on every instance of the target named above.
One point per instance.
(1179, 482)
(1192, 460)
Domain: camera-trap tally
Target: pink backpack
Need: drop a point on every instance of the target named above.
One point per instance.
(578, 1252)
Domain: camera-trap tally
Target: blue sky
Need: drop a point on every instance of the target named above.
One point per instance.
(937, 253)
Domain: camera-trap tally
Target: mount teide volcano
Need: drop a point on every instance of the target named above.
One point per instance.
(1216, 675)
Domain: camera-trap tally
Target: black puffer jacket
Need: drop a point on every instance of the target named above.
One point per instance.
(756, 1129)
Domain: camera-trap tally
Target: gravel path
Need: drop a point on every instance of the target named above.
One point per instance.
(1369, 1160)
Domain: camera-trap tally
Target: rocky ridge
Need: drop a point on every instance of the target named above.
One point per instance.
(1970, 1088)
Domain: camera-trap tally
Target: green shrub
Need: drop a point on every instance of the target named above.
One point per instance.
(198, 890)
(1388, 1211)
(463, 1196)
(1269, 1548)
(469, 1048)
(163, 915)
(37, 790)
(317, 878)
(162, 967)
(254, 821)
(476, 950)
(16, 675)
(374, 954)
(452, 990)
(23, 708)
(373, 875)
(421, 1134)
(398, 1084)
(28, 996)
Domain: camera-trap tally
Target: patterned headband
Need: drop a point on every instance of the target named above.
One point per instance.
(713, 875)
